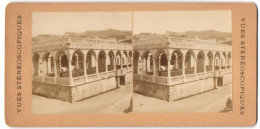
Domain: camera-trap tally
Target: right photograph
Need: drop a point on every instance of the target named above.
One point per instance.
(182, 61)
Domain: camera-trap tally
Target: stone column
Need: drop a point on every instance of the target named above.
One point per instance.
(85, 69)
(96, 66)
(60, 63)
(205, 66)
(70, 73)
(195, 65)
(169, 71)
(213, 65)
(107, 63)
(55, 71)
(183, 67)
(159, 63)
(154, 70)
(49, 65)
(77, 62)
(121, 64)
(45, 70)
(38, 70)
(114, 63)
(176, 65)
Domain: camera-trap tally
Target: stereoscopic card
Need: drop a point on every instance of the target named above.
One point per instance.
(131, 64)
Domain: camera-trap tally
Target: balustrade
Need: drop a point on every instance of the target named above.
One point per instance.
(49, 80)
(200, 69)
(37, 78)
(176, 72)
(208, 68)
(79, 80)
(91, 70)
(110, 67)
(161, 80)
(148, 78)
(189, 70)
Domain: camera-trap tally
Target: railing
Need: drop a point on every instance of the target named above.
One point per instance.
(110, 67)
(189, 70)
(201, 75)
(118, 66)
(208, 68)
(209, 74)
(229, 70)
(111, 73)
(137, 76)
(49, 79)
(101, 69)
(130, 69)
(178, 42)
(92, 77)
(190, 77)
(161, 80)
(37, 78)
(91, 70)
(79, 80)
(98, 43)
(103, 75)
(163, 73)
(176, 72)
(176, 80)
(77, 73)
(200, 69)
(148, 78)
(149, 73)
(216, 67)
(63, 81)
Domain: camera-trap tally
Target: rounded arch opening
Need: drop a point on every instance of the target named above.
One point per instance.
(111, 60)
(176, 63)
(200, 62)
(91, 62)
(130, 59)
(217, 61)
(49, 64)
(118, 60)
(36, 63)
(190, 62)
(161, 63)
(137, 62)
(148, 60)
(77, 63)
(209, 65)
(101, 61)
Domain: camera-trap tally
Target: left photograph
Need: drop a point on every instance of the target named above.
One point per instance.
(82, 62)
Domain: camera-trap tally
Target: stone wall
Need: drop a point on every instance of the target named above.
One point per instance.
(74, 93)
(52, 91)
(173, 92)
(190, 88)
(227, 78)
(94, 88)
(151, 89)
(129, 78)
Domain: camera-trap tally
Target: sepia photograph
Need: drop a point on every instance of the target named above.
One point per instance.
(82, 62)
(182, 61)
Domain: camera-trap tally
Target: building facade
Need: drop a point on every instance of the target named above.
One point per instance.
(72, 69)
(171, 68)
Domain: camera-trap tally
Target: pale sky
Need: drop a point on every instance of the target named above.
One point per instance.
(61, 22)
(181, 21)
